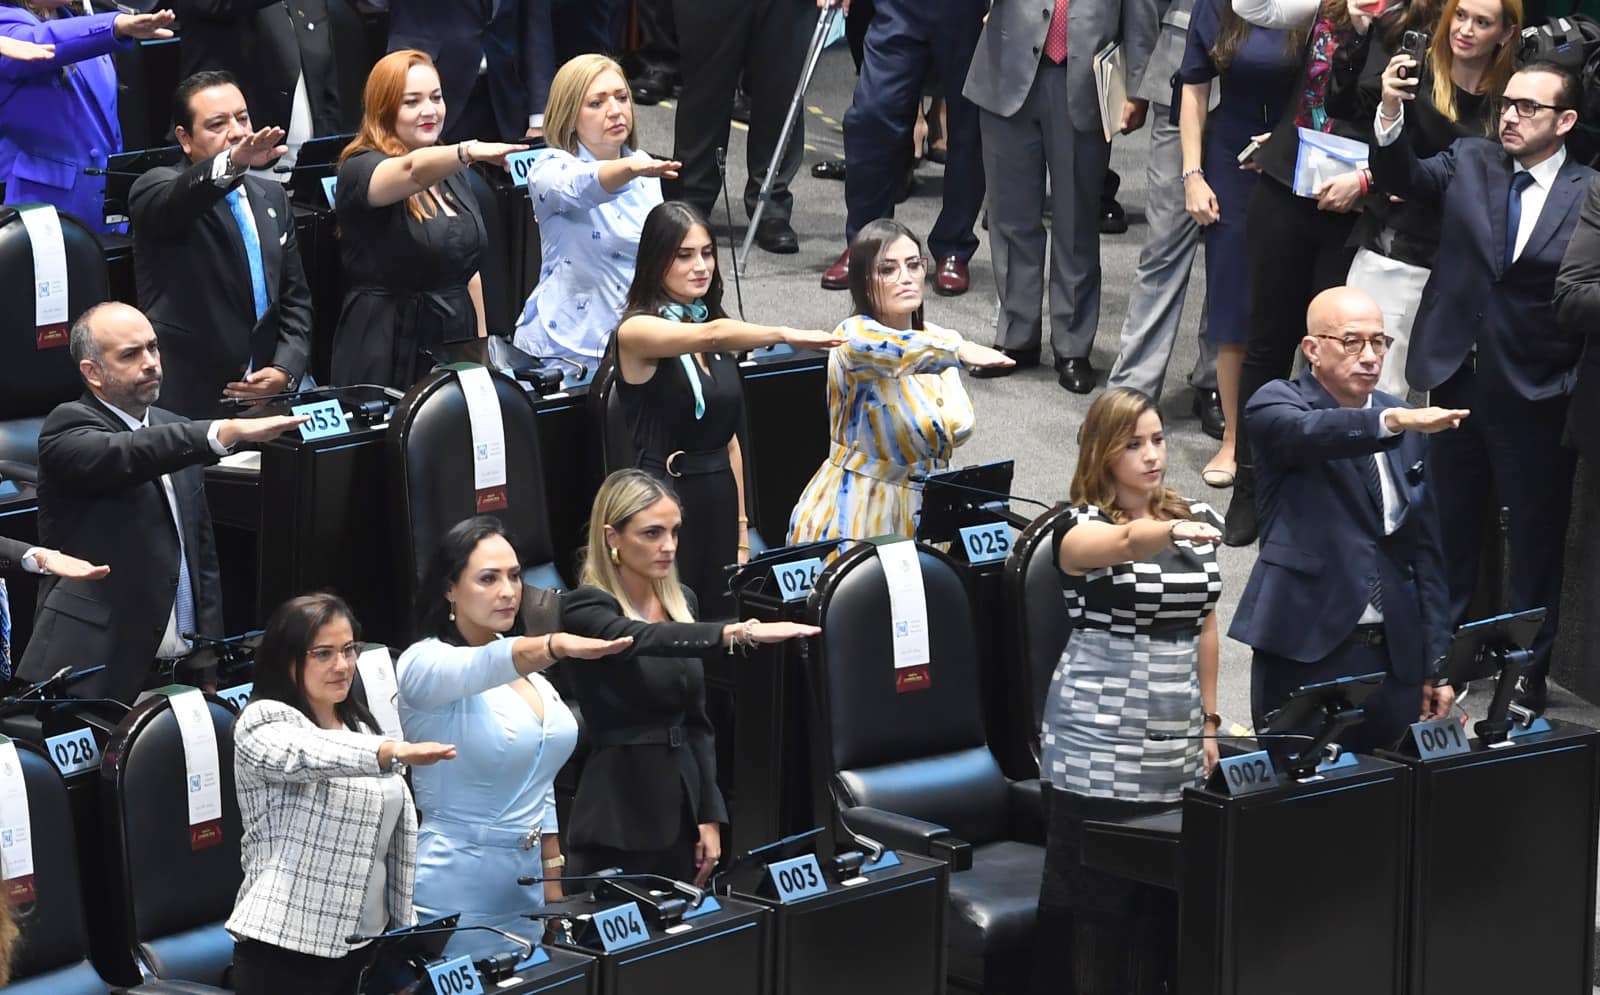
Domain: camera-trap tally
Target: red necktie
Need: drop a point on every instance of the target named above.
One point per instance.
(1055, 41)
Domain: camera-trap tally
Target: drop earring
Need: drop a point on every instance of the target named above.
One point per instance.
(452, 612)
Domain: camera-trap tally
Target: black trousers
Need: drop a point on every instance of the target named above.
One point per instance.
(1389, 710)
(264, 969)
(718, 40)
(658, 39)
(1510, 448)
(1099, 934)
(1295, 252)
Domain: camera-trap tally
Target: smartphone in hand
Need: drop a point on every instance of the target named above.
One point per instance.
(1249, 152)
(1414, 44)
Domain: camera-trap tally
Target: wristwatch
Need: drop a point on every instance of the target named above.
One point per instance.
(1211, 717)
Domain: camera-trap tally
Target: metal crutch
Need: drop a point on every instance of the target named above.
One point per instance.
(819, 38)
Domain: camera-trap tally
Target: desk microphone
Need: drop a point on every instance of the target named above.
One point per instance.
(918, 477)
(521, 941)
(1162, 737)
(98, 171)
(684, 888)
(55, 682)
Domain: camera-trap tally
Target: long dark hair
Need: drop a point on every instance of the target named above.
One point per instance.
(665, 228)
(866, 252)
(281, 657)
(448, 560)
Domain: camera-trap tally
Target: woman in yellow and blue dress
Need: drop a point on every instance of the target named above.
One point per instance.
(895, 398)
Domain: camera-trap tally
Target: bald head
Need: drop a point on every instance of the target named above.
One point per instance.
(1339, 320)
(117, 356)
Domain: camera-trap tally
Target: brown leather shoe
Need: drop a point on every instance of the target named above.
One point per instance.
(951, 280)
(837, 276)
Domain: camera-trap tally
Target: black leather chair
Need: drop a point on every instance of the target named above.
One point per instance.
(34, 380)
(1037, 627)
(170, 899)
(430, 469)
(914, 770)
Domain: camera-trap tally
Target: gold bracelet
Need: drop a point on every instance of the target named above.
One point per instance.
(743, 520)
(744, 546)
(559, 860)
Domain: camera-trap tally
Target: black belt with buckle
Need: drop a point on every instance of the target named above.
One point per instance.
(1367, 635)
(670, 736)
(686, 464)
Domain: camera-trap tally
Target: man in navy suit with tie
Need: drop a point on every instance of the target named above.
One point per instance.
(1486, 335)
(216, 258)
(1349, 579)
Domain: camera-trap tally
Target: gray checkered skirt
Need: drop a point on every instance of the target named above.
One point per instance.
(1108, 694)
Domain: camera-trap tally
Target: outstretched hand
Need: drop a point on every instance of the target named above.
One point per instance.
(25, 51)
(1424, 420)
(570, 647)
(59, 564)
(260, 148)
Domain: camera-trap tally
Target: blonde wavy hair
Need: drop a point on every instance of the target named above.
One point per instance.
(567, 91)
(623, 495)
(1107, 429)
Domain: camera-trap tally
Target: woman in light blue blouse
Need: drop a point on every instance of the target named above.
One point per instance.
(473, 677)
(591, 191)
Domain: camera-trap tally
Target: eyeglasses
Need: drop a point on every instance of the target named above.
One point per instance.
(325, 654)
(1353, 344)
(1528, 108)
(890, 270)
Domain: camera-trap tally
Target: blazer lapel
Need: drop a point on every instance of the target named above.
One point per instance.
(1497, 181)
(1567, 190)
(1344, 471)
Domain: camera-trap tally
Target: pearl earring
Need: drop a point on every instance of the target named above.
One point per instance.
(452, 613)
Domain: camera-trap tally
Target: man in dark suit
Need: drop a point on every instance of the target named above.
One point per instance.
(495, 58)
(17, 555)
(120, 481)
(1578, 310)
(1349, 579)
(216, 258)
(274, 50)
(1486, 335)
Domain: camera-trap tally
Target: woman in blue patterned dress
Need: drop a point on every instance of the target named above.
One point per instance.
(591, 191)
(895, 400)
(1139, 571)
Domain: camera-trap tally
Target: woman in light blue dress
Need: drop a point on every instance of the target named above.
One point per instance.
(591, 191)
(474, 678)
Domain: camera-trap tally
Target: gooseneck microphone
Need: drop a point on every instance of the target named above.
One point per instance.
(521, 941)
(684, 888)
(918, 477)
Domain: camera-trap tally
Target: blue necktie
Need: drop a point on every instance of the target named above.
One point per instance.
(183, 604)
(252, 251)
(1519, 182)
(5, 633)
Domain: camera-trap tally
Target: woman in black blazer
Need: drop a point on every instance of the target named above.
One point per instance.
(648, 801)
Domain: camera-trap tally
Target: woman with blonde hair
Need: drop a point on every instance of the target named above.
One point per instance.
(410, 233)
(590, 191)
(1139, 568)
(648, 801)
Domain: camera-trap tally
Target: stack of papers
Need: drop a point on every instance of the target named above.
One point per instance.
(1322, 157)
(1111, 85)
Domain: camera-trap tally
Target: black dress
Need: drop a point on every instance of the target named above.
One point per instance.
(661, 419)
(651, 779)
(406, 280)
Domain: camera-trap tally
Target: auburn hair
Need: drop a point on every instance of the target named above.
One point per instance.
(1107, 429)
(1441, 57)
(380, 107)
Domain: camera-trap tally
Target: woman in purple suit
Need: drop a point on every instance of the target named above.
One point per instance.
(58, 116)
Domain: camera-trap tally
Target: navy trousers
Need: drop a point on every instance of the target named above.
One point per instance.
(904, 40)
(1389, 710)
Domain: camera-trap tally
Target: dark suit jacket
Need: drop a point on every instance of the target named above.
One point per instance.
(1322, 533)
(632, 797)
(100, 495)
(1472, 296)
(266, 45)
(1578, 309)
(460, 34)
(194, 283)
(11, 553)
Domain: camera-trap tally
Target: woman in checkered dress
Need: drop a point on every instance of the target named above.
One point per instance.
(1139, 572)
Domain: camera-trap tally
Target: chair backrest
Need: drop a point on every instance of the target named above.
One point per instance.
(52, 950)
(172, 899)
(921, 752)
(33, 380)
(431, 470)
(1037, 623)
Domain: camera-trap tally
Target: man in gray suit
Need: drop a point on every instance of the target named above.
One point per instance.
(1161, 280)
(1033, 60)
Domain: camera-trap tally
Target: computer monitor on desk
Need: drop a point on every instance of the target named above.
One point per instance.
(1495, 648)
(1318, 713)
(318, 159)
(123, 171)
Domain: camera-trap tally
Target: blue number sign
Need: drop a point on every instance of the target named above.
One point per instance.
(798, 878)
(795, 579)
(238, 696)
(324, 419)
(1248, 773)
(1439, 738)
(520, 163)
(330, 189)
(620, 927)
(986, 543)
(456, 976)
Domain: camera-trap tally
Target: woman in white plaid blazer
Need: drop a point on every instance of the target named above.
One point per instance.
(330, 834)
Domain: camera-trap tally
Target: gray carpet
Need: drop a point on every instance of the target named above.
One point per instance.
(1026, 417)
